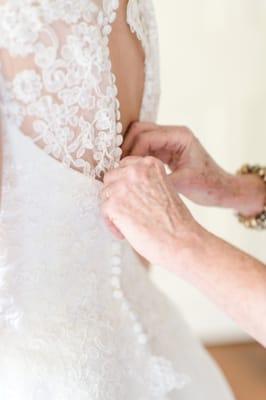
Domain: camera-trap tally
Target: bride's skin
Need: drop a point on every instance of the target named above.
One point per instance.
(127, 56)
(128, 63)
(128, 59)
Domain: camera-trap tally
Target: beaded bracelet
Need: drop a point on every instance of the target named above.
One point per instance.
(259, 221)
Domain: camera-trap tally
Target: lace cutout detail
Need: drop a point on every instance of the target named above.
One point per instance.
(70, 95)
(67, 101)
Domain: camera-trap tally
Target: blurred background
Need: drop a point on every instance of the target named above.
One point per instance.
(213, 70)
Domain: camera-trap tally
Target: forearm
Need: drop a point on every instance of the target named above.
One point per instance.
(235, 281)
(160, 227)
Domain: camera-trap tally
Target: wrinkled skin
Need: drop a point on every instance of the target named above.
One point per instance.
(194, 172)
(141, 204)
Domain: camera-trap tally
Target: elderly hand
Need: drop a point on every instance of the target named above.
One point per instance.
(139, 202)
(194, 173)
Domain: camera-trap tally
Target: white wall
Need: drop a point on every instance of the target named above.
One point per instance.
(213, 63)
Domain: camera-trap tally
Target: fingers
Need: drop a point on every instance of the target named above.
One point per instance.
(122, 193)
(117, 182)
(135, 129)
(162, 142)
(113, 229)
(107, 191)
(113, 207)
(130, 160)
(113, 175)
(148, 143)
(107, 195)
(120, 172)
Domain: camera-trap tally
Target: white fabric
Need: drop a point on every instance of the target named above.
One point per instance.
(79, 318)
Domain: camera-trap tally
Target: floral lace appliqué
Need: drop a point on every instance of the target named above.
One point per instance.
(70, 94)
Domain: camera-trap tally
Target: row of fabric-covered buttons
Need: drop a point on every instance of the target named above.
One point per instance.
(118, 294)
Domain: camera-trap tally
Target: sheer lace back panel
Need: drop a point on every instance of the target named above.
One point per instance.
(57, 83)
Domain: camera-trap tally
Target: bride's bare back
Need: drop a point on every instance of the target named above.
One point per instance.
(128, 66)
(60, 66)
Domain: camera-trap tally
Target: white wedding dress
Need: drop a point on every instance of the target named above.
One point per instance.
(79, 317)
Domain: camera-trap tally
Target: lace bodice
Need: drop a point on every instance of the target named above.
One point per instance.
(57, 83)
(79, 317)
(63, 291)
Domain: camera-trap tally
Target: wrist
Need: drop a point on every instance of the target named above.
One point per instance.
(246, 194)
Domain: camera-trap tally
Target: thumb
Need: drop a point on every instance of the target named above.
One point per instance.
(179, 178)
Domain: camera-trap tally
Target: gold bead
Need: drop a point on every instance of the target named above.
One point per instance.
(253, 223)
(258, 222)
(244, 169)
